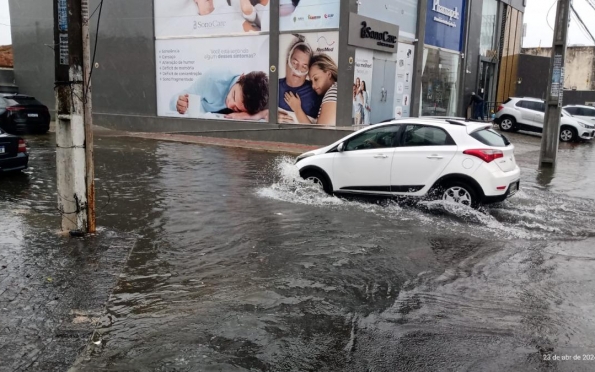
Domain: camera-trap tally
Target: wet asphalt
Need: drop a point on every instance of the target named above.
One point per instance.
(215, 259)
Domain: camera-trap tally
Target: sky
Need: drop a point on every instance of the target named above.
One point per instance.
(538, 31)
(4, 20)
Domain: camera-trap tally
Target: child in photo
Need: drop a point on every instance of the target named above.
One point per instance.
(238, 96)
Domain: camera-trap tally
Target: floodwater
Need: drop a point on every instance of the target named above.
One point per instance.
(238, 265)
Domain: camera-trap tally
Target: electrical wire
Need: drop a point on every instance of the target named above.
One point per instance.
(582, 25)
(100, 6)
(547, 17)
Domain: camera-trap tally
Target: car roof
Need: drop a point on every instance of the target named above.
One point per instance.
(583, 106)
(446, 122)
(528, 99)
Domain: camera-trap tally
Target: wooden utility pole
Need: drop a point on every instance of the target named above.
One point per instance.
(88, 107)
(555, 88)
(74, 154)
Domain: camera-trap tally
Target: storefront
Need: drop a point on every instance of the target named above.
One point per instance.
(235, 66)
(441, 63)
(383, 76)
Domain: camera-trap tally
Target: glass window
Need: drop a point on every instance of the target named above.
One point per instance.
(531, 105)
(583, 111)
(3, 103)
(439, 83)
(491, 138)
(572, 110)
(23, 101)
(487, 39)
(419, 135)
(382, 137)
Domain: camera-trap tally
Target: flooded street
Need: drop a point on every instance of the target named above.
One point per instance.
(215, 259)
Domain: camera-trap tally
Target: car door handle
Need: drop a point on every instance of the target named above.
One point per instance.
(380, 156)
(435, 157)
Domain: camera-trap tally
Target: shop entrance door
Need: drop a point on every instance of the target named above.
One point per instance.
(383, 83)
(486, 82)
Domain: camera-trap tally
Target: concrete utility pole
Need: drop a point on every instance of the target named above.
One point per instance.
(555, 88)
(74, 137)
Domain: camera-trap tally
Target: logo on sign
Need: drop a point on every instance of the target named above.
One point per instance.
(384, 38)
(450, 13)
(212, 24)
(329, 15)
(327, 48)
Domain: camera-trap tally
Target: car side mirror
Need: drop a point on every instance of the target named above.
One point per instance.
(341, 147)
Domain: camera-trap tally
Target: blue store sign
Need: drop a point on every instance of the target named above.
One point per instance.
(444, 24)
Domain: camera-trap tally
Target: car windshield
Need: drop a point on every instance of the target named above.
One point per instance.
(566, 113)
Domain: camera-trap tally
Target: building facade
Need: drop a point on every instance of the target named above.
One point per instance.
(579, 66)
(303, 71)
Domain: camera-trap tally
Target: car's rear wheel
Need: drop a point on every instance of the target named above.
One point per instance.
(458, 192)
(318, 178)
(568, 134)
(508, 124)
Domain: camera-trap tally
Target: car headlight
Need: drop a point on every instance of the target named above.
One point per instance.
(582, 124)
(303, 156)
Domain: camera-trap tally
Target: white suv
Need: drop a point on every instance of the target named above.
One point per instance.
(584, 113)
(529, 114)
(453, 160)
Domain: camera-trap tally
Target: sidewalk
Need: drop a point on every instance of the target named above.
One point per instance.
(289, 148)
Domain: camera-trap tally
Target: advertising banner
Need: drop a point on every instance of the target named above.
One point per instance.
(403, 86)
(445, 24)
(213, 78)
(308, 14)
(398, 12)
(362, 86)
(179, 18)
(308, 78)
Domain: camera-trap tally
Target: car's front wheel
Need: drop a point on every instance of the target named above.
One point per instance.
(318, 178)
(508, 124)
(568, 134)
(458, 192)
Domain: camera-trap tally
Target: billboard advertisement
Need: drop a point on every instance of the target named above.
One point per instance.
(308, 14)
(308, 78)
(182, 18)
(399, 12)
(362, 86)
(445, 24)
(403, 84)
(213, 78)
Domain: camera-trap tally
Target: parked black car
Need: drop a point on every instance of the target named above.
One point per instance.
(13, 153)
(23, 114)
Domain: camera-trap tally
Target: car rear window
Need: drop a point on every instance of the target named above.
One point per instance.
(24, 101)
(490, 137)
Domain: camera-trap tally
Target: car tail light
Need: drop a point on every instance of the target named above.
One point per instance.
(22, 146)
(487, 155)
(500, 108)
(15, 108)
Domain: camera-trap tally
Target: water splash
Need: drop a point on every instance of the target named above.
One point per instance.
(531, 214)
